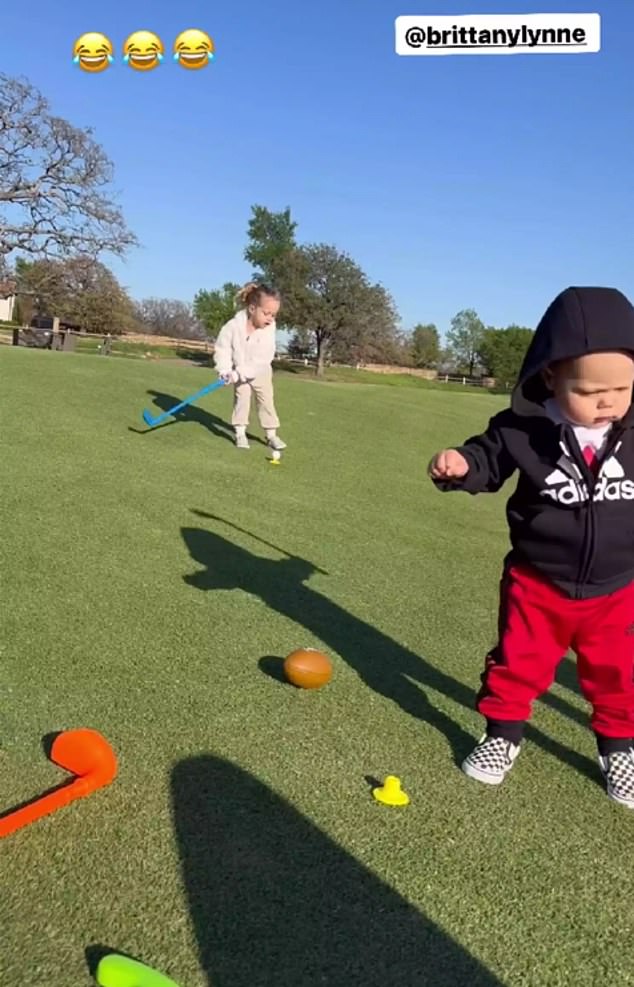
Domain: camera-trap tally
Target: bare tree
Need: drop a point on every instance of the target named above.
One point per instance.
(169, 317)
(8, 282)
(53, 183)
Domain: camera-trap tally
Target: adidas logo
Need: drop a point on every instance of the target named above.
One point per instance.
(612, 469)
(611, 485)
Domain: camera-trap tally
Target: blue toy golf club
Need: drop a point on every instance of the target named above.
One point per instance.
(151, 420)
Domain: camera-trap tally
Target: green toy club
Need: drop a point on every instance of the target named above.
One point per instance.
(120, 971)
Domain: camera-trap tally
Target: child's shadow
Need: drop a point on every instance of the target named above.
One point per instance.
(193, 413)
(387, 667)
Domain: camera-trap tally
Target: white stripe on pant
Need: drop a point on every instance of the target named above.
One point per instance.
(262, 387)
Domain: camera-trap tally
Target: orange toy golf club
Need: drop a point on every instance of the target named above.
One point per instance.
(88, 756)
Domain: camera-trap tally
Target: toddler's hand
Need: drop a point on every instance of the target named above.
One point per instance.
(448, 464)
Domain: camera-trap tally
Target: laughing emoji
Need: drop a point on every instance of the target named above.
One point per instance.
(193, 49)
(143, 51)
(93, 52)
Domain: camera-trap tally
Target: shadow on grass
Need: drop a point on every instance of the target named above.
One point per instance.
(193, 413)
(380, 661)
(199, 357)
(385, 666)
(47, 742)
(96, 952)
(274, 901)
(567, 677)
(273, 666)
(47, 747)
(286, 367)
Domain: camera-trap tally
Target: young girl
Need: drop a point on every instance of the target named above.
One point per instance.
(243, 355)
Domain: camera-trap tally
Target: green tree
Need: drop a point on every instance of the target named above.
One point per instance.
(271, 237)
(39, 287)
(300, 345)
(464, 340)
(372, 336)
(214, 308)
(502, 352)
(328, 296)
(425, 346)
(78, 290)
(403, 350)
(271, 242)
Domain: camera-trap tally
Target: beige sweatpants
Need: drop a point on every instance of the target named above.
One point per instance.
(262, 387)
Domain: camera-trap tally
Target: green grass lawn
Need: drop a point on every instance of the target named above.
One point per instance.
(150, 580)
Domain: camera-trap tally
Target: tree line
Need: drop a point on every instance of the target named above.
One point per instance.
(58, 219)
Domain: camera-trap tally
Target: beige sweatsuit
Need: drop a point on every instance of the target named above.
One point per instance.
(251, 356)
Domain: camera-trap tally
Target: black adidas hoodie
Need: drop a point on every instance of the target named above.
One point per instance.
(576, 530)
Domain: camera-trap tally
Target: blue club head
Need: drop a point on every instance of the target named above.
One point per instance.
(147, 418)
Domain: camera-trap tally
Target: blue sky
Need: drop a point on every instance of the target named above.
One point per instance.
(486, 182)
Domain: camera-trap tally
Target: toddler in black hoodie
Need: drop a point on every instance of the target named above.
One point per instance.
(568, 579)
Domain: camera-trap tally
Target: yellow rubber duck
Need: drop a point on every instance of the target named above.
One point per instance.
(391, 792)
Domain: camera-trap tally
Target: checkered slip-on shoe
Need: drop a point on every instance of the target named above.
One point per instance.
(618, 771)
(491, 760)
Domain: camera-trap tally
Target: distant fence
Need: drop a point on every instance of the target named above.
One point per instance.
(381, 368)
(149, 339)
(487, 382)
(59, 338)
(66, 339)
(62, 337)
(387, 368)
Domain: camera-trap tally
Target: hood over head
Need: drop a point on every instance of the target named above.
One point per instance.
(578, 321)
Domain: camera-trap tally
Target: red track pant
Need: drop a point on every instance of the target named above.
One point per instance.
(538, 626)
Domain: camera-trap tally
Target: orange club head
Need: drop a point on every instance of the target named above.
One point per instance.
(86, 754)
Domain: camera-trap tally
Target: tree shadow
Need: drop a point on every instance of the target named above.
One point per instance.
(284, 366)
(199, 357)
(274, 901)
(387, 667)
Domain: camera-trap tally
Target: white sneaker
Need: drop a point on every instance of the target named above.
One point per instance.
(276, 443)
(491, 760)
(242, 442)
